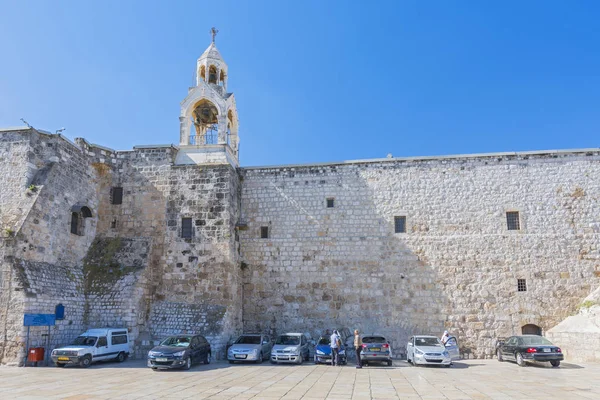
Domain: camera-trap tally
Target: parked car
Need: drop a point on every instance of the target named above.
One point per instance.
(376, 348)
(180, 351)
(421, 350)
(529, 348)
(290, 348)
(323, 352)
(250, 347)
(94, 345)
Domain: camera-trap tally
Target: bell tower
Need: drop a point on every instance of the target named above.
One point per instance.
(208, 119)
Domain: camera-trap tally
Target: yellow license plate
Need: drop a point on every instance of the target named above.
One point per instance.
(63, 358)
(375, 349)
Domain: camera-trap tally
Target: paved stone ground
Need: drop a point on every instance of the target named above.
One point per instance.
(472, 379)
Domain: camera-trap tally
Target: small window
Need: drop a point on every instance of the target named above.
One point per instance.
(116, 195)
(120, 339)
(186, 228)
(521, 285)
(264, 232)
(330, 202)
(400, 224)
(75, 223)
(512, 221)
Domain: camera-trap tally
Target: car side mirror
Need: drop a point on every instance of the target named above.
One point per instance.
(265, 342)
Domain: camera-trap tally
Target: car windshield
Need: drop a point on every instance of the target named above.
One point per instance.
(85, 341)
(374, 339)
(535, 341)
(288, 340)
(177, 341)
(323, 340)
(248, 340)
(427, 341)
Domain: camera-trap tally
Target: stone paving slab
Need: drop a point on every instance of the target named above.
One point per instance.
(471, 379)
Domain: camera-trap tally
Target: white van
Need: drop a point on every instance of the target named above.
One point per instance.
(94, 345)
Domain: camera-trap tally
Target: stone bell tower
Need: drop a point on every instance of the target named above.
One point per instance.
(208, 119)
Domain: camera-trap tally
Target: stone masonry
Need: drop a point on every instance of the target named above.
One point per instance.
(170, 239)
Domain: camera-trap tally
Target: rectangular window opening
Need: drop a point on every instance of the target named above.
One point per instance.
(521, 285)
(116, 195)
(264, 232)
(187, 231)
(512, 221)
(400, 224)
(330, 202)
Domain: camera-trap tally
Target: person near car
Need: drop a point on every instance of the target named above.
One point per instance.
(445, 337)
(335, 347)
(357, 347)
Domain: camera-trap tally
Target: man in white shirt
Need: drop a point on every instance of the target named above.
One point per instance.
(335, 347)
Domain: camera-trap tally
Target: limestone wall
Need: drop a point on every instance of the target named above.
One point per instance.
(455, 268)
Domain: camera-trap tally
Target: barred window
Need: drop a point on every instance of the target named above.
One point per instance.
(264, 232)
(512, 221)
(116, 195)
(330, 202)
(521, 285)
(400, 224)
(186, 228)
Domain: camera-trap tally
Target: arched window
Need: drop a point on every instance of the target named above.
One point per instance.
(212, 74)
(78, 215)
(203, 73)
(222, 78)
(205, 117)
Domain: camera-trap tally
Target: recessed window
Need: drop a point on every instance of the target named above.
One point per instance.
(400, 224)
(512, 221)
(116, 195)
(264, 232)
(78, 216)
(521, 285)
(330, 202)
(186, 228)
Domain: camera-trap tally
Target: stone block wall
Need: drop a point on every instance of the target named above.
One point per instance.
(455, 268)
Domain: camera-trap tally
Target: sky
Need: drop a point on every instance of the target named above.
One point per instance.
(315, 81)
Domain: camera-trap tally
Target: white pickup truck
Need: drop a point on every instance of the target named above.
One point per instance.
(94, 345)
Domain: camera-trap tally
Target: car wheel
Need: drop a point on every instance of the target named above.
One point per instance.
(499, 353)
(231, 361)
(520, 360)
(86, 361)
(260, 360)
(154, 369)
(60, 365)
(207, 359)
(389, 363)
(300, 360)
(121, 357)
(316, 360)
(188, 363)
(555, 363)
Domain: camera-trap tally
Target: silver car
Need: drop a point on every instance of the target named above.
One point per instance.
(290, 348)
(250, 347)
(429, 350)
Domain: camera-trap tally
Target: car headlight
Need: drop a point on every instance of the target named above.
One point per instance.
(419, 352)
(319, 352)
(446, 354)
(179, 353)
(53, 352)
(255, 352)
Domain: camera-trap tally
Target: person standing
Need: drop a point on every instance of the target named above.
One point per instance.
(445, 337)
(358, 347)
(335, 348)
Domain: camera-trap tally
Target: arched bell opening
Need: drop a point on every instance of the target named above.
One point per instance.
(203, 72)
(212, 74)
(222, 78)
(205, 120)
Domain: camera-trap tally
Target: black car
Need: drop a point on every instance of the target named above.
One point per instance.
(529, 348)
(179, 351)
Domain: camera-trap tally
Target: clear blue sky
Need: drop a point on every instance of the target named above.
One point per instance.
(315, 81)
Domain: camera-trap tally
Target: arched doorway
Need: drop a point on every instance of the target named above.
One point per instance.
(531, 329)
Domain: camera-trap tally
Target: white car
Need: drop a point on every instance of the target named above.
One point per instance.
(94, 345)
(290, 348)
(429, 350)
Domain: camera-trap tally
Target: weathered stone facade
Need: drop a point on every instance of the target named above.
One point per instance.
(182, 250)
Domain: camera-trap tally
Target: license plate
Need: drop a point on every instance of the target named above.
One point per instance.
(546, 350)
(240, 356)
(63, 358)
(162, 359)
(375, 349)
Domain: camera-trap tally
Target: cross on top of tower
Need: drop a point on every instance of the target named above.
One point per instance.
(213, 32)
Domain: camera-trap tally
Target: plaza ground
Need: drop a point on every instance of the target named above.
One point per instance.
(469, 379)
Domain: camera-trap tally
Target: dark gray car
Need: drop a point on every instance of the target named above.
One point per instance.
(179, 352)
(376, 348)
